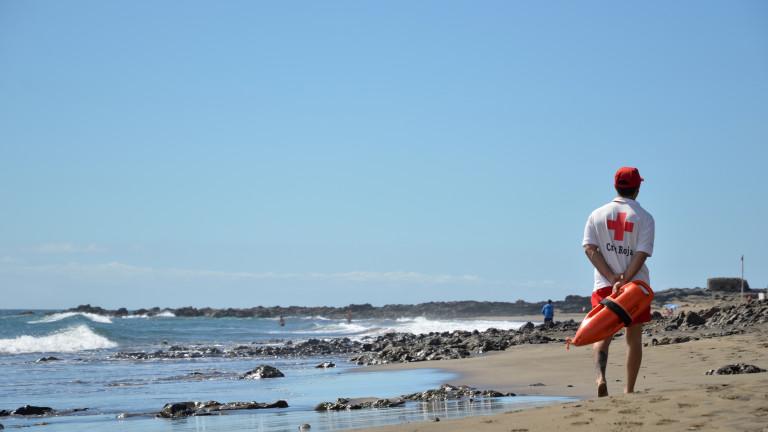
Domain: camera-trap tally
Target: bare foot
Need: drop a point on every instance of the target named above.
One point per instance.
(602, 389)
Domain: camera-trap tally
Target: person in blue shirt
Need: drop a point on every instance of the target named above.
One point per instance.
(549, 312)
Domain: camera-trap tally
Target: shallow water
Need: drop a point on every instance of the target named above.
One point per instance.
(88, 377)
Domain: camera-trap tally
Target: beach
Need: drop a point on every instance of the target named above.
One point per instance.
(673, 392)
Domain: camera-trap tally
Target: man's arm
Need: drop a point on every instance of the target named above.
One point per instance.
(638, 259)
(597, 260)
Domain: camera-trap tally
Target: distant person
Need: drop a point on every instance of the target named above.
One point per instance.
(349, 317)
(281, 321)
(618, 238)
(549, 313)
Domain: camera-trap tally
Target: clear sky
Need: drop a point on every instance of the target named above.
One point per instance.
(246, 153)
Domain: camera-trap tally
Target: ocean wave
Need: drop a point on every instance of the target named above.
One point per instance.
(72, 339)
(420, 325)
(64, 315)
(163, 314)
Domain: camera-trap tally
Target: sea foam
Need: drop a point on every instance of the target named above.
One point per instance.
(72, 339)
(421, 325)
(64, 315)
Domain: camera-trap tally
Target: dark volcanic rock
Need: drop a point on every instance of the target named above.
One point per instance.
(263, 371)
(325, 365)
(694, 319)
(4, 413)
(354, 404)
(734, 369)
(47, 359)
(32, 410)
(193, 408)
(449, 392)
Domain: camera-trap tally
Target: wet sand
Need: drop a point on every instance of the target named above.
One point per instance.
(672, 393)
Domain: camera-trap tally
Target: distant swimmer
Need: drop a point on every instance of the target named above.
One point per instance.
(282, 321)
(549, 313)
(618, 238)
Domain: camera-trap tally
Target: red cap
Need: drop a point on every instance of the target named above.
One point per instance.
(627, 177)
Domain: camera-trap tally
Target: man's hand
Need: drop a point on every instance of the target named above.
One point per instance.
(597, 260)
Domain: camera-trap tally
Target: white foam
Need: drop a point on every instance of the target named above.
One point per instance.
(421, 325)
(72, 339)
(163, 314)
(64, 315)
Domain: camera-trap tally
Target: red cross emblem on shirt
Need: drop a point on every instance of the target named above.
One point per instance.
(620, 225)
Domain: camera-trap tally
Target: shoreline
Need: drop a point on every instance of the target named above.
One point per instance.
(672, 391)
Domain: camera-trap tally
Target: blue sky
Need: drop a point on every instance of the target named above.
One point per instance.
(246, 153)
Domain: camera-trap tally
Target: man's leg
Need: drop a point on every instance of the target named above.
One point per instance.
(634, 336)
(600, 350)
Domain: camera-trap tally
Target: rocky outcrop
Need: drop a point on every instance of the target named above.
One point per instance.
(406, 347)
(444, 392)
(354, 404)
(734, 369)
(194, 408)
(325, 365)
(262, 371)
(29, 410)
(726, 284)
(388, 348)
(456, 309)
(449, 392)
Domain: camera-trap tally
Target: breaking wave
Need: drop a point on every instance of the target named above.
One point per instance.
(421, 325)
(64, 315)
(163, 314)
(72, 339)
(418, 325)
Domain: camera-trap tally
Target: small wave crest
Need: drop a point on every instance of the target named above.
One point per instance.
(72, 339)
(421, 325)
(64, 315)
(163, 314)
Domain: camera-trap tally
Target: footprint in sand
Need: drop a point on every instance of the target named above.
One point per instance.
(656, 399)
(686, 405)
(598, 410)
(628, 411)
(580, 423)
(664, 421)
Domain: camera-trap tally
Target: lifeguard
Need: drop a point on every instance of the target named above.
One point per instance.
(618, 238)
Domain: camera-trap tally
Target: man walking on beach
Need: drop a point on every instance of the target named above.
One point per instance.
(618, 238)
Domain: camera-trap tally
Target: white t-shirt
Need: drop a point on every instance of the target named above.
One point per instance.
(620, 228)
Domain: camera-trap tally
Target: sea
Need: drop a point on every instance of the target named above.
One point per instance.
(103, 393)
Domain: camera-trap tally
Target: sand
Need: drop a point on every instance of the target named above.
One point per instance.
(672, 393)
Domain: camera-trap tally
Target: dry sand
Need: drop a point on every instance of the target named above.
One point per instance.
(672, 393)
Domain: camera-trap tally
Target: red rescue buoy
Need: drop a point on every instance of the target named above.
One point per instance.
(613, 313)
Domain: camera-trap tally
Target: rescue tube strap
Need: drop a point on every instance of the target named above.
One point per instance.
(615, 308)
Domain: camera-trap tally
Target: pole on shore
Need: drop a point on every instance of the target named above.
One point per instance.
(742, 278)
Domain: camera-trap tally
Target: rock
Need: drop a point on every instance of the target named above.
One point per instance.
(325, 365)
(538, 384)
(4, 413)
(176, 410)
(449, 392)
(355, 404)
(694, 319)
(187, 409)
(46, 359)
(253, 405)
(734, 369)
(437, 419)
(263, 371)
(32, 410)
(305, 427)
